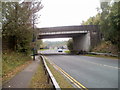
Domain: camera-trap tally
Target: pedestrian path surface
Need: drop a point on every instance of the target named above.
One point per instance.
(22, 79)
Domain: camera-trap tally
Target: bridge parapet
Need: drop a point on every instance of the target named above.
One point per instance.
(68, 28)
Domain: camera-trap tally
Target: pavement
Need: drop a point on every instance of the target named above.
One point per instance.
(92, 72)
(23, 78)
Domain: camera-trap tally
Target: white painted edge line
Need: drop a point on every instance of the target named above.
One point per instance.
(51, 75)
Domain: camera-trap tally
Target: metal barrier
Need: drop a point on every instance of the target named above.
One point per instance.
(105, 54)
(50, 77)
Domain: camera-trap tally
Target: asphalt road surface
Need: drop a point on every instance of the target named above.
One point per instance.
(92, 72)
(52, 51)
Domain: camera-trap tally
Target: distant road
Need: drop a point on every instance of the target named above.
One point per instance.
(52, 51)
(92, 72)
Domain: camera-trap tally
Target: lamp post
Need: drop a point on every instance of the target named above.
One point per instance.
(33, 41)
(33, 36)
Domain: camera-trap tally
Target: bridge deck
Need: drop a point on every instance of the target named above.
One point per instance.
(68, 31)
(68, 28)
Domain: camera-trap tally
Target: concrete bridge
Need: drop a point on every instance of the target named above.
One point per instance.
(84, 37)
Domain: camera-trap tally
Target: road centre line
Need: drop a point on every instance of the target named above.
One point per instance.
(75, 82)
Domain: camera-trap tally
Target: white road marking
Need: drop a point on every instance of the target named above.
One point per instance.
(101, 64)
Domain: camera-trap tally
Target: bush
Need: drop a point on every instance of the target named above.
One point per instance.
(70, 44)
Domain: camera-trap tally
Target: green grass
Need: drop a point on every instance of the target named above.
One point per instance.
(43, 49)
(63, 83)
(67, 51)
(110, 57)
(39, 80)
(12, 60)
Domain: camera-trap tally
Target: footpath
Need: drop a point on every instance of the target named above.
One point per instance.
(23, 78)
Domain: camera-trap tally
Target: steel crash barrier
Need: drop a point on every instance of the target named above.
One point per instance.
(105, 54)
(50, 77)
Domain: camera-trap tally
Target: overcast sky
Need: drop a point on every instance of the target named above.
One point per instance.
(66, 12)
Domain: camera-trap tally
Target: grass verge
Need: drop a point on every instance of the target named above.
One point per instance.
(43, 49)
(109, 57)
(106, 47)
(67, 51)
(63, 83)
(12, 63)
(39, 80)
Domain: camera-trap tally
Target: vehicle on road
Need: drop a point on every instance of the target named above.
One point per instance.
(60, 50)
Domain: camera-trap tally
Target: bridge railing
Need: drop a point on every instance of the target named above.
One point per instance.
(68, 32)
(69, 28)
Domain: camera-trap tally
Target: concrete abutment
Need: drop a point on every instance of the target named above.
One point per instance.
(82, 42)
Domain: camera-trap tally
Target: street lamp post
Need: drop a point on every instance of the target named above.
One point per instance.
(33, 37)
(33, 47)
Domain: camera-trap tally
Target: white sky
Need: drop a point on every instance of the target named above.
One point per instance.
(66, 12)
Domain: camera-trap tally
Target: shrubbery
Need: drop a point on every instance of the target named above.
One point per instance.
(70, 44)
(108, 18)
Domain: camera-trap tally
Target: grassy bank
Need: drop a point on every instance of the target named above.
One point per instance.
(39, 80)
(43, 49)
(106, 47)
(12, 63)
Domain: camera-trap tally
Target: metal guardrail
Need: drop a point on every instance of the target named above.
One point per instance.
(106, 54)
(69, 28)
(50, 77)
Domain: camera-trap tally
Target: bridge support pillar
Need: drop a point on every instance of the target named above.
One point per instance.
(82, 42)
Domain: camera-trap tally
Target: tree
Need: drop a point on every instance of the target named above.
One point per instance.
(18, 24)
(109, 21)
(95, 20)
(70, 44)
(39, 44)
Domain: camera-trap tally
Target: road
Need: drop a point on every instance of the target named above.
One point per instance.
(92, 72)
(52, 51)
